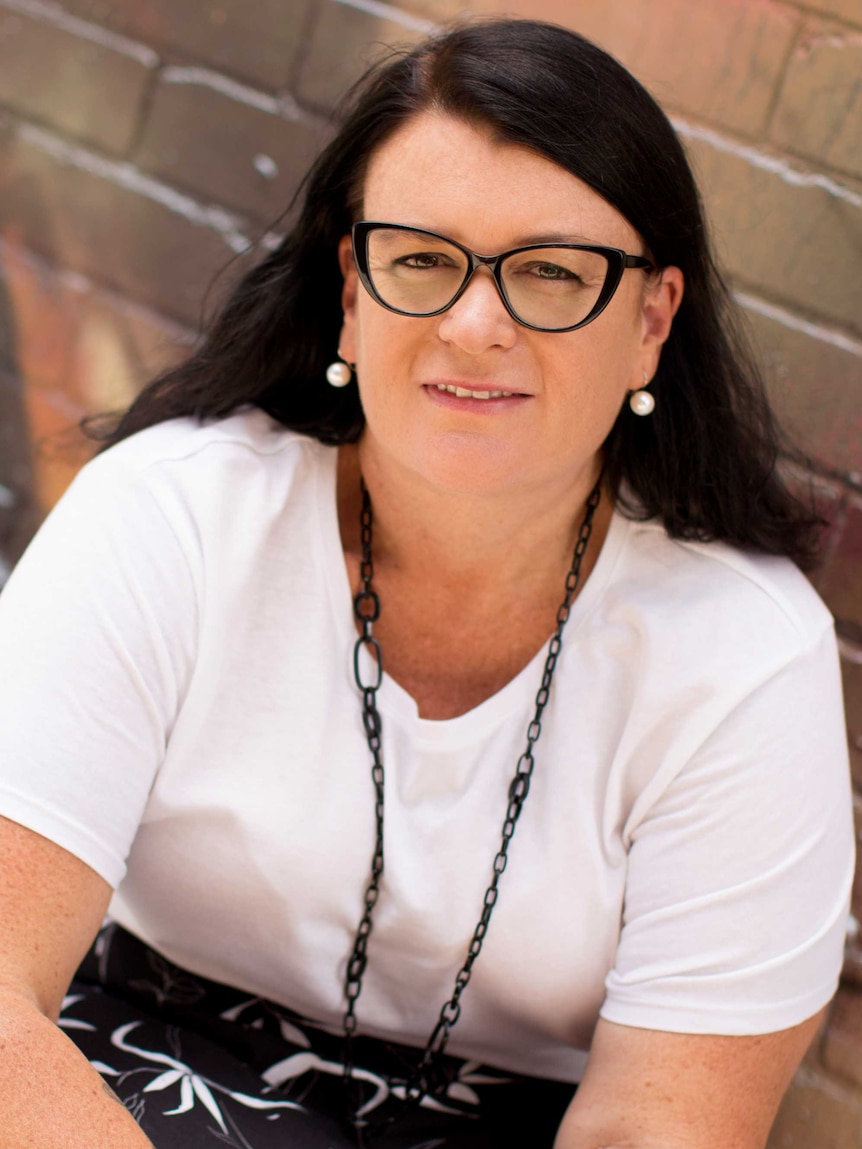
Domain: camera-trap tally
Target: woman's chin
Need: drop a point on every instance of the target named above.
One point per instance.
(469, 464)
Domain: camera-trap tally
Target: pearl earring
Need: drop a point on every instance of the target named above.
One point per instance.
(642, 402)
(338, 374)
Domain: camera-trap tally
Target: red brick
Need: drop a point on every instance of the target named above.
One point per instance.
(818, 494)
(218, 144)
(819, 113)
(852, 971)
(797, 244)
(818, 1112)
(344, 42)
(105, 221)
(815, 386)
(438, 10)
(93, 91)
(852, 677)
(19, 514)
(856, 908)
(717, 59)
(840, 583)
(8, 354)
(849, 10)
(842, 1043)
(257, 40)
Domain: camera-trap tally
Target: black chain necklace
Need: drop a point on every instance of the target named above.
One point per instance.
(428, 1078)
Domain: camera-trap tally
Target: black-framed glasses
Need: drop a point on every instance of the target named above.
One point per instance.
(544, 286)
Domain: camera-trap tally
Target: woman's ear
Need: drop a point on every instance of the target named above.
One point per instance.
(661, 303)
(347, 341)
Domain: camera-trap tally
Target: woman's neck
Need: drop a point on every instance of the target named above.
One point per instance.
(525, 537)
(470, 585)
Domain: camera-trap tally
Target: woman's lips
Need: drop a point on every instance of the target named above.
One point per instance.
(472, 393)
(463, 397)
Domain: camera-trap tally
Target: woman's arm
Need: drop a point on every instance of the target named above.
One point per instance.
(646, 1089)
(51, 906)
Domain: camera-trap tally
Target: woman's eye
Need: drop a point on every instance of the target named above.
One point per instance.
(551, 271)
(423, 260)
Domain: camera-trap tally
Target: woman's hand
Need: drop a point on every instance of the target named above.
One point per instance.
(51, 906)
(649, 1089)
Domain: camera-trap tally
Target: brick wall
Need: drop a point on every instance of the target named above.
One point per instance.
(146, 144)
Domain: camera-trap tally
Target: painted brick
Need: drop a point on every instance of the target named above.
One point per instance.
(59, 448)
(257, 40)
(120, 236)
(716, 59)
(92, 91)
(219, 145)
(360, 39)
(119, 346)
(818, 1112)
(73, 350)
(842, 1045)
(44, 310)
(819, 113)
(63, 335)
(816, 388)
(840, 583)
(797, 244)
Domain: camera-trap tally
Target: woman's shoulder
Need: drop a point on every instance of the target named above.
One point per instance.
(248, 434)
(212, 484)
(716, 594)
(245, 465)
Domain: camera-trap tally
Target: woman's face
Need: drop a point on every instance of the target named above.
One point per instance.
(440, 174)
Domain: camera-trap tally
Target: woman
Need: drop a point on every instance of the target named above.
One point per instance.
(521, 552)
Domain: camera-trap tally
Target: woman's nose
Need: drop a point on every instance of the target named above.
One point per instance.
(479, 319)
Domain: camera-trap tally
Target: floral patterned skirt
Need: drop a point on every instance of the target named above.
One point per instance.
(200, 1065)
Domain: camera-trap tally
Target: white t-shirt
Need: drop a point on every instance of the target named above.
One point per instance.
(177, 708)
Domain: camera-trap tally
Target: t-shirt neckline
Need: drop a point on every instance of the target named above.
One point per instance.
(392, 698)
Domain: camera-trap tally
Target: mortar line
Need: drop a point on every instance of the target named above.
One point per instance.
(390, 12)
(796, 323)
(766, 162)
(124, 174)
(283, 106)
(49, 12)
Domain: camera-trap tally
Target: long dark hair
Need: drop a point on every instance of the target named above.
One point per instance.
(705, 461)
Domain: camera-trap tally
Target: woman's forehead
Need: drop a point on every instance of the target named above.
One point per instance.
(445, 174)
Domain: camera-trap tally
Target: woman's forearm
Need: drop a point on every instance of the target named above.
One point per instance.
(50, 1095)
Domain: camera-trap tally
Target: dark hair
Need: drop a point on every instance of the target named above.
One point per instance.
(705, 461)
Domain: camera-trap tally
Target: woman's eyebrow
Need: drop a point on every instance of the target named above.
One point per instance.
(551, 237)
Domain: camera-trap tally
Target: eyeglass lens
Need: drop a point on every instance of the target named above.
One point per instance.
(550, 287)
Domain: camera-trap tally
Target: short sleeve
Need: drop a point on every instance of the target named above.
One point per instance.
(739, 874)
(97, 633)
